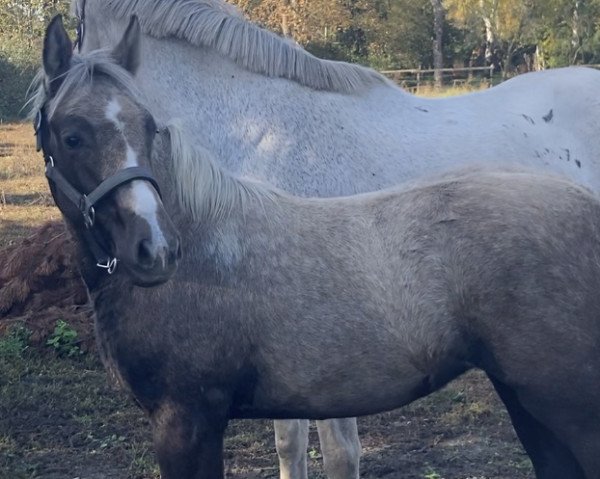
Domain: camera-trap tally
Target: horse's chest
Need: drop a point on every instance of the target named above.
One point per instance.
(135, 363)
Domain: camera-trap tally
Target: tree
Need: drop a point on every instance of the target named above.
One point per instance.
(500, 26)
(568, 31)
(438, 31)
(380, 33)
(22, 25)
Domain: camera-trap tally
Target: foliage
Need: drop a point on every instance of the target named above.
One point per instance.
(64, 340)
(15, 342)
(22, 26)
(386, 34)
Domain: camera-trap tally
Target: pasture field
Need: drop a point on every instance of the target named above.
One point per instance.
(61, 417)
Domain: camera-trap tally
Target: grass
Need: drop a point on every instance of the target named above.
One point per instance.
(25, 201)
(61, 418)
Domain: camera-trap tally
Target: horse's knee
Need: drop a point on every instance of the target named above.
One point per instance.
(291, 437)
(341, 448)
(291, 442)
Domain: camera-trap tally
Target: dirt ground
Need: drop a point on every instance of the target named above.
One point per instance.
(60, 418)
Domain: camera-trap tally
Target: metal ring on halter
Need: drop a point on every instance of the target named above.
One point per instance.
(51, 160)
(92, 217)
(109, 266)
(88, 212)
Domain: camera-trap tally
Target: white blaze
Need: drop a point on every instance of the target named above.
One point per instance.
(141, 197)
(112, 113)
(142, 201)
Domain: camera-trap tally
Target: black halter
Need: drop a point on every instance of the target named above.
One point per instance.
(85, 203)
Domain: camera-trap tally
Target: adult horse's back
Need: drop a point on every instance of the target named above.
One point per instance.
(313, 127)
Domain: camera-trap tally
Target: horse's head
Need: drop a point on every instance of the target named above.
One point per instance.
(97, 140)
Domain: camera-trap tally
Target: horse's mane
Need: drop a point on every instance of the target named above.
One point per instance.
(203, 188)
(215, 24)
(83, 68)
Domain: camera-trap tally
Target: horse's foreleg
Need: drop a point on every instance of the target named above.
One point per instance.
(291, 441)
(551, 458)
(188, 445)
(341, 448)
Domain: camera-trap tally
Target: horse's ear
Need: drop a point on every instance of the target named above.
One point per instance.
(58, 51)
(127, 53)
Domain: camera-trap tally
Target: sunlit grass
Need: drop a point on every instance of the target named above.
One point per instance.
(25, 201)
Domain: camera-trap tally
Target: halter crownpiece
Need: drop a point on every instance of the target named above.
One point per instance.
(85, 203)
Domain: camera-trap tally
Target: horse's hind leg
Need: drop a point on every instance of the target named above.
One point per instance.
(341, 448)
(188, 445)
(291, 441)
(550, 457)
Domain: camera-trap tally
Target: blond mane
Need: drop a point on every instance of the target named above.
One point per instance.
(204, 189)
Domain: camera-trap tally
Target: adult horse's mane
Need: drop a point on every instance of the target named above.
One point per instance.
(214, 24)
(83, 68)
(203, 188)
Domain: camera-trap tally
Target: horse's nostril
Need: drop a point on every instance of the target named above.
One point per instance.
(144, 253)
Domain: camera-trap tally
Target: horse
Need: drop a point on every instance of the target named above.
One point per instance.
(288, 307)
(270, 110)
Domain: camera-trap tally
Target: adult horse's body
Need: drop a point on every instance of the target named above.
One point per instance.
(283, 305)
(311, 127)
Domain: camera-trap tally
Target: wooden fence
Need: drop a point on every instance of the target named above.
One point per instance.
(413, 79)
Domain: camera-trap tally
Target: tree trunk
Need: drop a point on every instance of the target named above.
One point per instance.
(490, 37)
(575, 40)
(438, 33)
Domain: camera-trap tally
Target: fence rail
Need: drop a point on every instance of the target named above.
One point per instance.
(415, 78)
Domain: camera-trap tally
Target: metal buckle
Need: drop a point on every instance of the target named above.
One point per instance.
(90, 218)
(88, 212)
(110, 266)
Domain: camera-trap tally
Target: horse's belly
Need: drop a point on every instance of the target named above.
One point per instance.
(354, 395)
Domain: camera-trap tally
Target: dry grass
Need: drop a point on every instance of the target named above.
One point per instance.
(25, 201)
(429, 91)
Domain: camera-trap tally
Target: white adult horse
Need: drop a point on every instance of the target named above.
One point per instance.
(315, 127)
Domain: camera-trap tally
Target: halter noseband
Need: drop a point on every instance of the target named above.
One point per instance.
(85, 203)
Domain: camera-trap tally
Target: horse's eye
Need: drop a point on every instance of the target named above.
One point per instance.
(73, 141)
